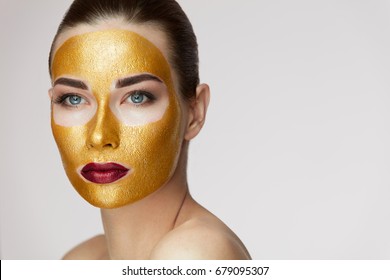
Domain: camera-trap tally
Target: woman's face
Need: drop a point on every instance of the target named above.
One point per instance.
(116, 116)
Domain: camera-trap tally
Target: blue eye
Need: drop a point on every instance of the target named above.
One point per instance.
(70, 100)
(140, 97)
(137, 98)
(74, 99)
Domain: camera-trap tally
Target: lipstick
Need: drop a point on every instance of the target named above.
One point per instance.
(103, 173)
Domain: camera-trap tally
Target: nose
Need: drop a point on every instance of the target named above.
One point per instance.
(103, 130)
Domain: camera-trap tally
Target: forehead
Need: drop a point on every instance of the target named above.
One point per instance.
(150, 31)
(109, 54)
(147, 31)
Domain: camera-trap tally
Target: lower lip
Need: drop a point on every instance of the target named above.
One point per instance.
(103, 173)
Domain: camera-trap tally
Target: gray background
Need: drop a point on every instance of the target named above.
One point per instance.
(295, 153)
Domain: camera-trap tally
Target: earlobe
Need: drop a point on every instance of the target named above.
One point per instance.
(197, 111)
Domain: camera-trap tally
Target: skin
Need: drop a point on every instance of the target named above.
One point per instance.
(107, 126)
(147, 228)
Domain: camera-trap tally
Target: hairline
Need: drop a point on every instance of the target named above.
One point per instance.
(56, 44)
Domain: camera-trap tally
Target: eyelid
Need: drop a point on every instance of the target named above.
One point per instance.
(147, 86)
(61, 90)
(62, 98)
(148, 95)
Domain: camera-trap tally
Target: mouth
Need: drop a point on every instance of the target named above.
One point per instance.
(103, 173)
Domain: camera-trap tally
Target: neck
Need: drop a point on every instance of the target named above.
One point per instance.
(132, 231)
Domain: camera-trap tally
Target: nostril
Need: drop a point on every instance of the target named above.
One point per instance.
(92, 145)
(112, 145)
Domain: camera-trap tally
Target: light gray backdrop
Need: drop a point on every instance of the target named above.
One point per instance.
(295, 153)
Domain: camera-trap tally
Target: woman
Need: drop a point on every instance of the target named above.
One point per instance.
(126, 101)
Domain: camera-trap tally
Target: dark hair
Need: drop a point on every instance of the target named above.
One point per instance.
(168, 16)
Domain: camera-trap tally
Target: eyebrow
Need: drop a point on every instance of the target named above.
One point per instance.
(71, 82)
(135, 80)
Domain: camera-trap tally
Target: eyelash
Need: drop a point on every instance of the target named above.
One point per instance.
(61, 100)
(151, 98)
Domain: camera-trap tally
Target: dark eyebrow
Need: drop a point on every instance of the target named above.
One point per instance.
(71, 82)
(135, 80)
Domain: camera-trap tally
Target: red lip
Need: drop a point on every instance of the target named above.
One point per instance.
(103, 173)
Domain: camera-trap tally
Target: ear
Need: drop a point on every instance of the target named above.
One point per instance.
(197, 111)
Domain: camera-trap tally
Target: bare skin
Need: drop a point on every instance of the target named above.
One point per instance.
(169, 223)
(196, 234)
(149, 229)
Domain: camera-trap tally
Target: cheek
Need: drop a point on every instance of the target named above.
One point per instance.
(70, 141)
(154, 142)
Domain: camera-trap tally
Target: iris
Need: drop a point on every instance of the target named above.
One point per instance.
(137, 98)
(74, 100)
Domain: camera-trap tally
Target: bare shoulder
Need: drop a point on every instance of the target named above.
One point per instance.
(91, 249)
(204, 237)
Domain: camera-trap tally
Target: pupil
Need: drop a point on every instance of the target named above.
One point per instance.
(137, 98)
(74, 100)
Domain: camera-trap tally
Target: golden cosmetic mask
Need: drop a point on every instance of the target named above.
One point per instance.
(148, 149)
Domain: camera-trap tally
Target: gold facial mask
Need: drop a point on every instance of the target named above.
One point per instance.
(150, 151)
